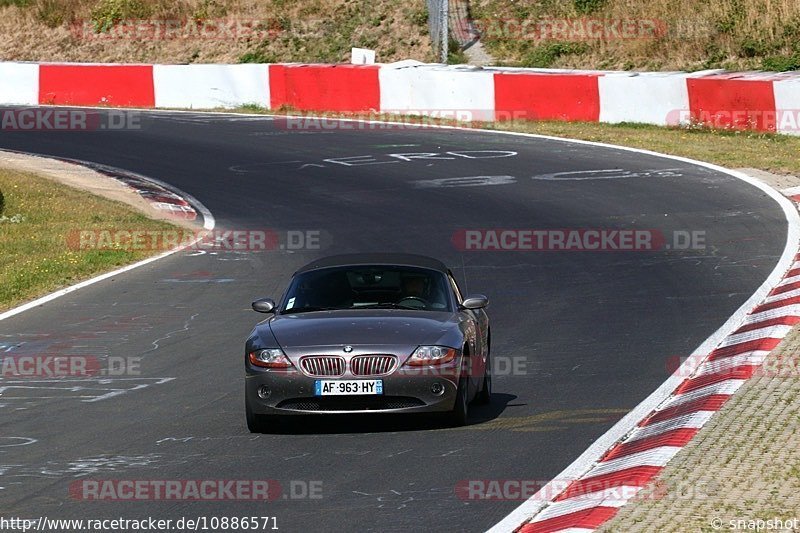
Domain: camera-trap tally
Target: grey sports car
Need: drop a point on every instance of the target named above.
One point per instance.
(366, 333)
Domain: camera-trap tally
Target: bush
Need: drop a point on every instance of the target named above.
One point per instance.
(734, 17)
(419, 16)
(781, 63)
(210, 9)
(545, 55)
(714, 56)
(585, 7)
(51, 12)
(109, 12)
(752, 47)
(455, 55)
(258, 56)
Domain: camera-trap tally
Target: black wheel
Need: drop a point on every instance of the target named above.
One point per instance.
(259, 423)
(485, 395)
(460, 414)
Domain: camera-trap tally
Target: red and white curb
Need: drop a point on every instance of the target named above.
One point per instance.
(161, 196)
(186, 206)
(632, 462)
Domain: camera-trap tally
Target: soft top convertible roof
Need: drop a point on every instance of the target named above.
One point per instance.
(393, 259)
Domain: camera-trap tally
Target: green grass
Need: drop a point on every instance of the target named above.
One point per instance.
(38, 217)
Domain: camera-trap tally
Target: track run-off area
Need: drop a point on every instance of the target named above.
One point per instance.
(579, 337)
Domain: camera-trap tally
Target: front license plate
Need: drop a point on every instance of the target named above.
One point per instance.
(337, 387)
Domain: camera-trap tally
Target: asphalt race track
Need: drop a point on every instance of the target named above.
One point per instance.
(583, 337)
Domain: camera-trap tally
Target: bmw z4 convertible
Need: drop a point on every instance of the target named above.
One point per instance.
(368, 333)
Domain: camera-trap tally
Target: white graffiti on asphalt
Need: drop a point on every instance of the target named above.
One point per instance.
(610, 174)
(383, 159)
(469, 181)
(12, 442)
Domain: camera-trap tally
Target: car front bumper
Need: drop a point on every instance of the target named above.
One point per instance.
(404, 391)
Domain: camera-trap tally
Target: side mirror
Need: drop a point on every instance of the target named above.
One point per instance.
(264, 305)
(477, 301)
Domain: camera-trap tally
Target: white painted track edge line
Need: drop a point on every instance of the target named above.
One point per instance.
(722, 388)
(613, 497)
(792, 310)
(208, 224)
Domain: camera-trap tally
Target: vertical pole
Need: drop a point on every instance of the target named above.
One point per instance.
(445, 29)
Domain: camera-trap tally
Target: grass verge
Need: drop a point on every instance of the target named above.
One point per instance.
(37, 218)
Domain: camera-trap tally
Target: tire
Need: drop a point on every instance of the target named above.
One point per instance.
(459, 416)
(485, 395)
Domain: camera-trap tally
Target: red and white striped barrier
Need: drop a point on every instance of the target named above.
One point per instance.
(787, 100)
(88, 84)
(649, 98)
(756, 100)
(345, 88)
(547, 96)
(19, 83)
(450, 92)
(209, 86)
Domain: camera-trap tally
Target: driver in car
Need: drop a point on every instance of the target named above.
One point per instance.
(413, 286)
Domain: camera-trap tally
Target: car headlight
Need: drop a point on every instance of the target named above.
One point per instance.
(431, 355)
(270, 358)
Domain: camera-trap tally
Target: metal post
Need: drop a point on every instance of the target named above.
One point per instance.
(445, 27)
(438, 26)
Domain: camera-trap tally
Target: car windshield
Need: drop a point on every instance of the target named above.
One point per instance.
(367, 287)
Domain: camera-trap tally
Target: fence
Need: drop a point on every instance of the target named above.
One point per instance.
(450, 19)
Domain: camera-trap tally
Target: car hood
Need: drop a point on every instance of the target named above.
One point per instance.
(360, 328)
